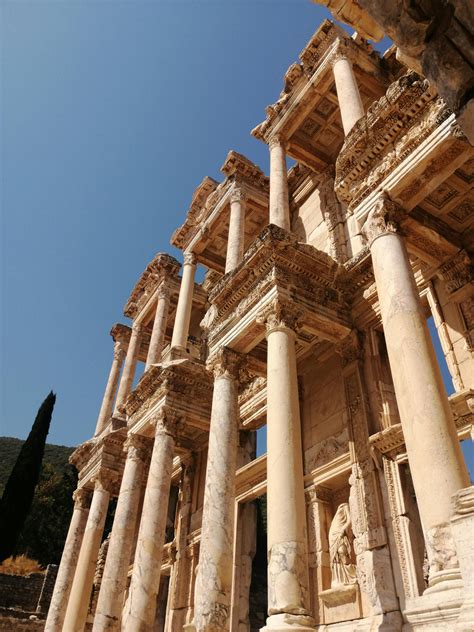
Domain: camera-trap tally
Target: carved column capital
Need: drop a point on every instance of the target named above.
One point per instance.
(189, 258)
(280, 315)
(105, 480)
(276, 140)
(167, 421)
(137, 328)
(138, 447)
(82, 498)
(163, 292)
(342, 51)
(225, 363)
(382, 220)
(119, 351)
(350, 349)
(238, 194)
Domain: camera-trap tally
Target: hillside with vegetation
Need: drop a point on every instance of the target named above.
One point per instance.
(44, 532)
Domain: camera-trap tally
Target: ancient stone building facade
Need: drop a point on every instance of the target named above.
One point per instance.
(312, 321)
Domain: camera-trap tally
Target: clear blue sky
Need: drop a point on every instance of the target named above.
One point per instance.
(111, 114)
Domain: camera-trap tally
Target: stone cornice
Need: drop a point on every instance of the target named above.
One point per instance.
(180, 237)
(242, 169)
(163, 266)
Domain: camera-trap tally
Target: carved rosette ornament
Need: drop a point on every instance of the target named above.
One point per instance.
(280, 316)
(82, 498)
(225, 363)
(382, 220)
(138, 448)
(167, 421)
(189, 259)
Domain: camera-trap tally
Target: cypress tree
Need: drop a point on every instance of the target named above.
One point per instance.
(20, 488)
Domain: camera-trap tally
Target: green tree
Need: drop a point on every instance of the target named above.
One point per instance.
(20, 488)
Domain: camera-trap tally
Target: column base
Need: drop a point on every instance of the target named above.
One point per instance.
(287, 622)
(444, 580)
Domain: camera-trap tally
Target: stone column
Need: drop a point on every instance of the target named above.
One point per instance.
(279, 198)
(111, 388)
(128, 374)
(288, 594)
(213, 591)
(141, 604)
(434, 453)
(236, 237)
(159, 327)
(185, 302)
(76, 613)
(348, 95)
(114, 579)
(67, 567)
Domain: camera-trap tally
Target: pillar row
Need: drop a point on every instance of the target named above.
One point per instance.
(67, 567)
(213, 591)
(114, 579)
(425, 413)
(288, 582)
(141, 605)
(76, 613)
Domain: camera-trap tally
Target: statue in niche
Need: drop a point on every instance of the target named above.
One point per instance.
(343, 572)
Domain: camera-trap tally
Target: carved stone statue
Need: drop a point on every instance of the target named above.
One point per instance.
(342, 570)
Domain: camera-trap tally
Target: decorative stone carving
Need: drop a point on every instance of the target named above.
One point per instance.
(382, 219)
(82, 498)
(280, 315)
(190, 258)
(340, 549)
(225, 363)
(167, 421)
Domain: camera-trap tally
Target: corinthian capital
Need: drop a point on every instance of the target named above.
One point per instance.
(106, 480)
(238, 194)
(163, 292)
(167, 421)
(82, 498)
(119, 351)
(138, 447)
(342, 51)
(275, 140)
(280, 314)
(190, 258)
(382, 219)
(136, 328)
(225, 363)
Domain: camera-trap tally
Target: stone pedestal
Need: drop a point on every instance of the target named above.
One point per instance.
(111, 389)
(128, 370)
(279, 199)
(425, 413)
(288, 595)
(159, 328)
(114, 579)
(67, 567)
(212, 598)
(140, 610)
(348, 94)
(185, 303)
(462, 526)
(79, 598)
(235, 240)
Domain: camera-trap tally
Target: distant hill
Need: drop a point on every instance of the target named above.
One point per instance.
(55, 455)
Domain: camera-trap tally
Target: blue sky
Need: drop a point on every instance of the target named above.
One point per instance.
(111, 114)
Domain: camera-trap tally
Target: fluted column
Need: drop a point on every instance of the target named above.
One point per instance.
(236, 237)
(434, 454)
(111, 388)
(185, 302)
(114, 579)
(212, 597)
(288, 595)
(348, 95)
(128, 373)
(159, 327)
(279, 198)
(145, 582)
(79, 598)
(67, 567)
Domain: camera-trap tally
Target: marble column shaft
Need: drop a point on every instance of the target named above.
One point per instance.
(145, 582)
(348, 95)
(185, 303)
(279, 197)
(128, 373)
(67, 567)
(288, 595)
(213, 592)
(159, 328)
(111, 388)
(236, 237)
(434, 453)
(114, 579)
(76, 613)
